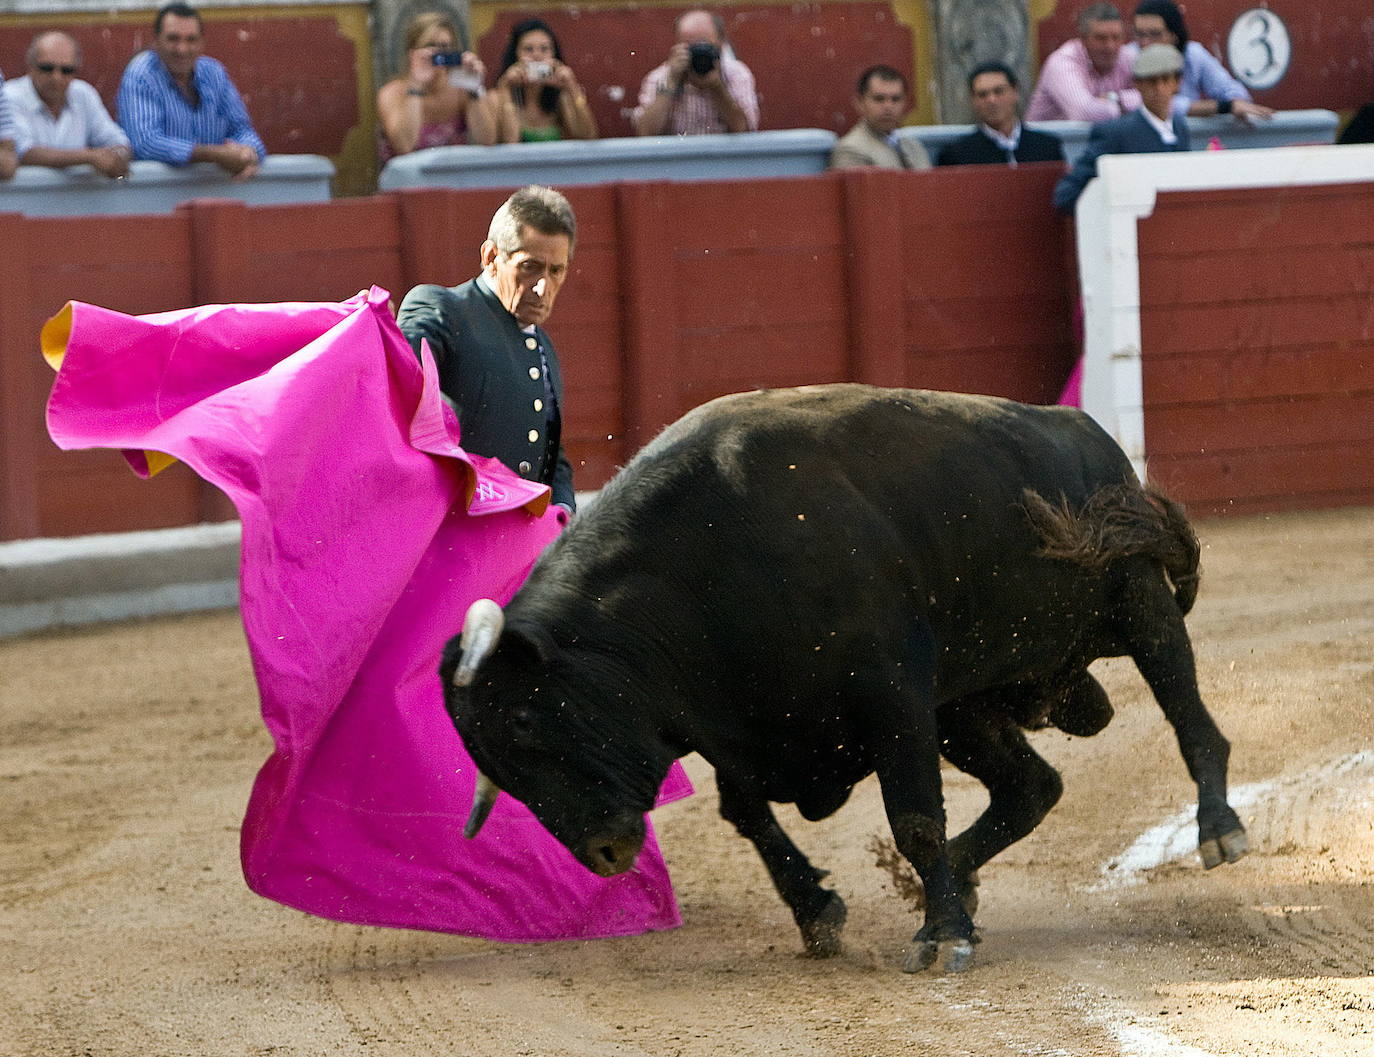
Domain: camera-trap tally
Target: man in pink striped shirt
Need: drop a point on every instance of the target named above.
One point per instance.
(702, 88)
(1088, 78)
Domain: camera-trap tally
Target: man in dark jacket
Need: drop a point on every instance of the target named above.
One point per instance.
(999, 137)
(1154, 128)
(497, 366)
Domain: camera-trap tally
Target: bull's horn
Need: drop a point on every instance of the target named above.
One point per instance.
(481, 628)
(483, 800)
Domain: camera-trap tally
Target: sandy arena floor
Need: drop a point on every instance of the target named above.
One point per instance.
(126, 754)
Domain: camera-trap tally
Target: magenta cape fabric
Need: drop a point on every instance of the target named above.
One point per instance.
(367, 531)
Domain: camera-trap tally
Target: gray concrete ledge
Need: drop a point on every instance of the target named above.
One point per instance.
(62, 583)
(53, 583)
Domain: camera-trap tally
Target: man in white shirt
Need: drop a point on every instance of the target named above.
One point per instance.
(62, 119)
(9, 136)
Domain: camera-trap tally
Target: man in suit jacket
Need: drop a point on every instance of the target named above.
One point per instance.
(881, 101)
(999, 137)
(497, 366)
(1153, 128)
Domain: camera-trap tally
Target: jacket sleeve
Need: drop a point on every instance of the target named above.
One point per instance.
(1071, 184)
(236, 114)
(562, 485)
(422, 317)
(844, 156)
(1214, 79)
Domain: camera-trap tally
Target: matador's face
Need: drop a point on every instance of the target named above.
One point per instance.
(528, 280)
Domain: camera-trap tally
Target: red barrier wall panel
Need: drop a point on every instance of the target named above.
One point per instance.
(987, 302)
(586, 328)
(325, 252)
(679, 292)
(1258, 347)
(755, 284)
(130, 264)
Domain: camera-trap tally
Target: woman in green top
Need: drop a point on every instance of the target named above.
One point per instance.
(537, 97)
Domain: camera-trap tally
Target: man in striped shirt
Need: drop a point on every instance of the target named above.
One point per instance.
(180, 106)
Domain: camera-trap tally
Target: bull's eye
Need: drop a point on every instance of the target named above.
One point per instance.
(521, 722)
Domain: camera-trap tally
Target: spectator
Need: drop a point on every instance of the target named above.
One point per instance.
(10, 143)
(179, 106)
(537, 96)
(496, 364)
(62, 118)
(1088, 78)
(1154, 128)
(1206, 87)
(702, 88)
(999, 138)
(882, 99)
(440, 101)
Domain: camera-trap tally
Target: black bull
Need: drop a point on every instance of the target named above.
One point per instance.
(810, 586)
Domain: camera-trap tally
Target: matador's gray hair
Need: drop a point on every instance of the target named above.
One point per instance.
(540, 208)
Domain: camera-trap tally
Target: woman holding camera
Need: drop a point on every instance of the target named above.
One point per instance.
(439, 101)
(537, 97)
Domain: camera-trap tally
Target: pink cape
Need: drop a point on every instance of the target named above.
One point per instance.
(367, 532)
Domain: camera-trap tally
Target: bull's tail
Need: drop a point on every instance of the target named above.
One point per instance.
(1120, 521)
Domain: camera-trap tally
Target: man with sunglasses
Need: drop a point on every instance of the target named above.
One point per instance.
(61, 117)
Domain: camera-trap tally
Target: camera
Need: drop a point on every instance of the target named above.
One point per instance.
(537, 71)
(448, 58)
(703, 57)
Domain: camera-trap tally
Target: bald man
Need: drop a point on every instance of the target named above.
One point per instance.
(702, 88)
(60, 117)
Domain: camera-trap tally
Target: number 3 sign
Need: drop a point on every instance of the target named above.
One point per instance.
(1259, 49)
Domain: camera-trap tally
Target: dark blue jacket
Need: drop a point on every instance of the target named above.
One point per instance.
(977, 148)
(494, 379)
(1130, 134)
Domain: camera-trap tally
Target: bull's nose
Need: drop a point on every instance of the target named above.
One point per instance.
(608, 855)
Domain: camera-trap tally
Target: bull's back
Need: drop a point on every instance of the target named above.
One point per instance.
(841, 511)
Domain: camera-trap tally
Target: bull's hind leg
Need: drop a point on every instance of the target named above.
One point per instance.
(983, 741)
(1157, 640)
(818, 912)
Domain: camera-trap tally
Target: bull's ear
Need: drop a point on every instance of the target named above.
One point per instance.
(534, 639)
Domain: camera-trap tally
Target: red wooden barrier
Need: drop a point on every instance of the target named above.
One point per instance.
(680, 292)
(1259, 340)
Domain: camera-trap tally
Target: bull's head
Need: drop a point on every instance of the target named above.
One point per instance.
(529, 719)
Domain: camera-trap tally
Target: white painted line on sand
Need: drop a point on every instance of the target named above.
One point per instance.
(1176, 836)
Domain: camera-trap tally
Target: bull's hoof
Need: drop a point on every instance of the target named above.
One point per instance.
(821, 934)
(1227, 848)
(922, 954)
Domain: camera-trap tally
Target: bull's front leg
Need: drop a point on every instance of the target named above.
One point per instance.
(905, 745)
(818, 912)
